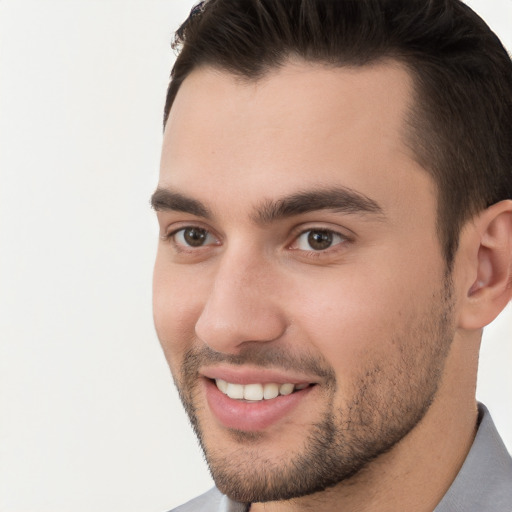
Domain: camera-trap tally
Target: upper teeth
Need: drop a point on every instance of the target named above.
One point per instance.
(256, 392)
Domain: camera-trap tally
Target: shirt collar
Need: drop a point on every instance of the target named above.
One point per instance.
(485, 480)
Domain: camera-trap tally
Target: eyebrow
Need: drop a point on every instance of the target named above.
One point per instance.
(167, 200)
(338, 199)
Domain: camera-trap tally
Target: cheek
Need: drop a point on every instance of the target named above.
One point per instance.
(355, 321)
(346, 330)
(176, 308)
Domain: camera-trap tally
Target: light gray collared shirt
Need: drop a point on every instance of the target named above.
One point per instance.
(484, 483)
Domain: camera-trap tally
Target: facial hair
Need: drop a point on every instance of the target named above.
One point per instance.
(386, 401)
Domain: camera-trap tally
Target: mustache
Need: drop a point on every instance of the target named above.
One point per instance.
(262, 355)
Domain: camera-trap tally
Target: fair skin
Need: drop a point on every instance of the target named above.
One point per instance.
(346, 298)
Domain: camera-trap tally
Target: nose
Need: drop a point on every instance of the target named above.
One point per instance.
(242, 304)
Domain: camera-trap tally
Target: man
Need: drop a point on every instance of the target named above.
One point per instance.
(335, 207)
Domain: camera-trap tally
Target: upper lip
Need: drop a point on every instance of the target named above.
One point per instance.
(252, 375)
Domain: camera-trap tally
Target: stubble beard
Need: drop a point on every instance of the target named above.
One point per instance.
(388, 401)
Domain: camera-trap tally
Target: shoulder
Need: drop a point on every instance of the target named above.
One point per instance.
(207, 502)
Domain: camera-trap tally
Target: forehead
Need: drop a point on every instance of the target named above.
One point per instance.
(303, 125)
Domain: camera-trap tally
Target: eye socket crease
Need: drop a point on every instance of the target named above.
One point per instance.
(320, 243)
(323, 239)
(192, 237)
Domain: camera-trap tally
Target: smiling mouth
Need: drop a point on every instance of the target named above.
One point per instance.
(257, 392)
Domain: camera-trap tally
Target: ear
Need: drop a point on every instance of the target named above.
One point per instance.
(488, 256)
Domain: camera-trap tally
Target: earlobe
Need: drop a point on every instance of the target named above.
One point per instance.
(490, 289)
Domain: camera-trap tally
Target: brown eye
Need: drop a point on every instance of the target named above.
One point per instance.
(193, 237)
(318, 240)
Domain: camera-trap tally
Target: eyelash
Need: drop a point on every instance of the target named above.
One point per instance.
(171, 237)
(333, 235)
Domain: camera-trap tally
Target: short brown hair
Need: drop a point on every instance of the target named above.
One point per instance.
(461, 124)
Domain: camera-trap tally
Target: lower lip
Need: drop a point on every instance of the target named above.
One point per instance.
(251, 417)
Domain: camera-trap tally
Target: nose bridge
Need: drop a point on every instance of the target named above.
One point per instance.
(241, 305)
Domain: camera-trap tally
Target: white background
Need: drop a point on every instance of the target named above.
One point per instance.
(89, 419)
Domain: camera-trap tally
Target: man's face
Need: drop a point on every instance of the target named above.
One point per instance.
(298, 253)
